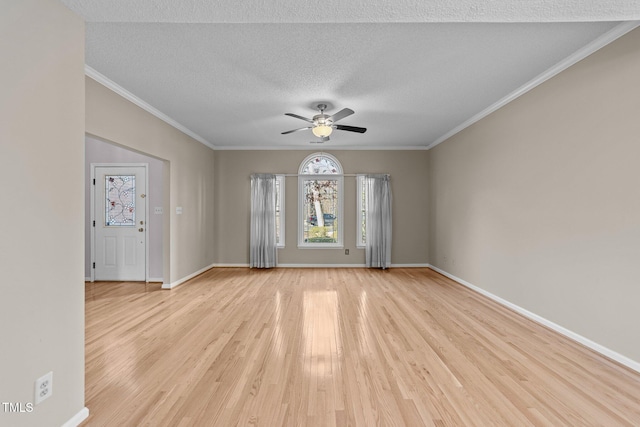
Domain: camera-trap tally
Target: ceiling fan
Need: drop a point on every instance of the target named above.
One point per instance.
(323, 124)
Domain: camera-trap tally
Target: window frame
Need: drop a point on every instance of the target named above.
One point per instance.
(280, 208)
(361, 207)
(339, 178)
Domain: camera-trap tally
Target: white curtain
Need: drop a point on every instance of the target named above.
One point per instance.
(378, 220)
(264, 253)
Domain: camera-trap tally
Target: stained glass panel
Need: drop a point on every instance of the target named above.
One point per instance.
(120, 203)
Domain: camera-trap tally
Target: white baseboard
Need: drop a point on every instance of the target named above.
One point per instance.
(151, 279)
(222, 265)
(231, 265)
(294, 265)
(624, 360)
(184, 279)
(77, 418)
(410, 265)
(327, 265)
(321, 265)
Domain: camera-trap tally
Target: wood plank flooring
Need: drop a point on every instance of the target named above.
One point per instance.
(336, 347)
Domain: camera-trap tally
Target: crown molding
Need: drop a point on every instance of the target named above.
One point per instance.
(577, 56)
(109, 84)
(321, 147)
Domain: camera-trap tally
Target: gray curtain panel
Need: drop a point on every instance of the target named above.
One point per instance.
(378, 221)
(263, 249)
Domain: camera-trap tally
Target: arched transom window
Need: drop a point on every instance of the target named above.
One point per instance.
(320, 164)
(320, 185)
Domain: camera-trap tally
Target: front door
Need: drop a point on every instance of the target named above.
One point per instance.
(120, 222)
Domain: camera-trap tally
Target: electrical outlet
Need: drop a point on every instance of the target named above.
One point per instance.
(346, 251)
(44, 387)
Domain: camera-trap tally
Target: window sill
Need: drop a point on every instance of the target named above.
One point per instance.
(320, 246)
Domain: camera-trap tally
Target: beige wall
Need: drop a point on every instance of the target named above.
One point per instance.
(189, 176)
(408, 180)
(41, 171)
(539, 203)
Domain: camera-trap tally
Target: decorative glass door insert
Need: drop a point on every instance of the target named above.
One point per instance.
(120, 203)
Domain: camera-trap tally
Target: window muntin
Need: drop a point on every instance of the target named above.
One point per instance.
(320, 197)
(320, 164)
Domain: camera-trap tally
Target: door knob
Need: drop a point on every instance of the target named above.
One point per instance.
(141, 229)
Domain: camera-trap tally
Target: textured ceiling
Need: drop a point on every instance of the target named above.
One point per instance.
(229, 73)
(362, 11)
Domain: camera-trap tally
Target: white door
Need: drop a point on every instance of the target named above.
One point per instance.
(120, 241)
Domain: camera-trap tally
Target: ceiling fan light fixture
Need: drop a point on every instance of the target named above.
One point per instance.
(322, 131)
(322, 125)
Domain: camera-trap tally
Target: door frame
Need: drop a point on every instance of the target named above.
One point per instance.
(93, 213)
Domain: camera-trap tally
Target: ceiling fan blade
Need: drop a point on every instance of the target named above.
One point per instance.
(295, 130)
(345, 112)
(350, 128)
(298, 117)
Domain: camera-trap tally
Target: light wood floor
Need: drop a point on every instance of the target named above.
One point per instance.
(324, 347)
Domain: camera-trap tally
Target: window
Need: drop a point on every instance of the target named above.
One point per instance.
(320, 193)
(361, 210)
(280, 208)
(121, 200)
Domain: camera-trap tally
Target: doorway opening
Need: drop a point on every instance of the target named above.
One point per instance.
(101, 152)
(119, 218)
